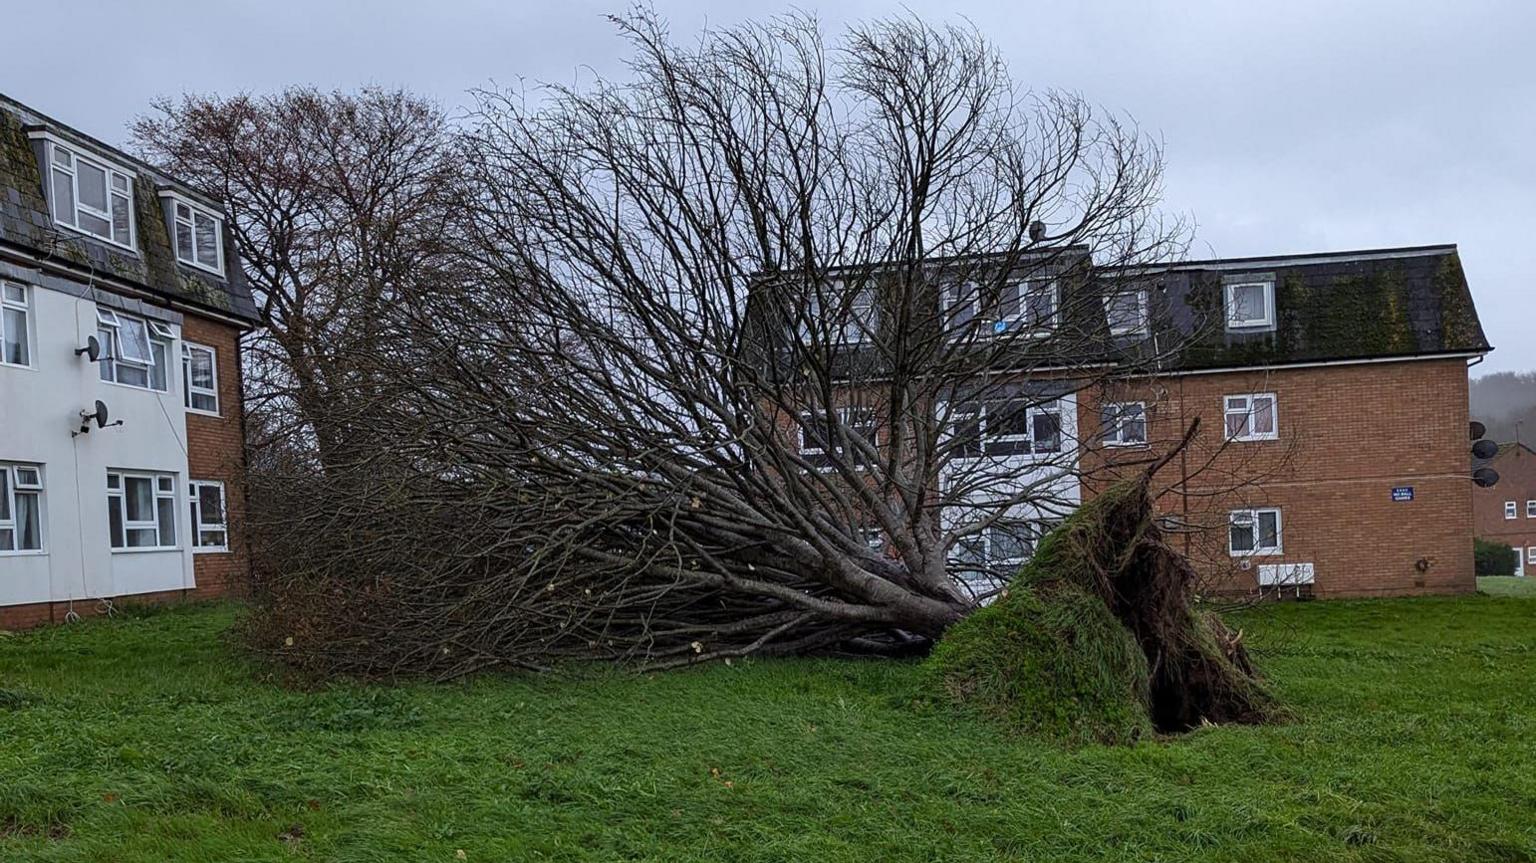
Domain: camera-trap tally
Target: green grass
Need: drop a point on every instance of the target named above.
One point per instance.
(146, 739)
(1507, 585)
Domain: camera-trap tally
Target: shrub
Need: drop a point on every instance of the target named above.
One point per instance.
(1494, 558)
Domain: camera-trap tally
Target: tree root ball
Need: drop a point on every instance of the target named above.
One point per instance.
(1098, 638)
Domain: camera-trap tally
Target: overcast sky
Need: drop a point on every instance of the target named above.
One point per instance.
(1292, 126)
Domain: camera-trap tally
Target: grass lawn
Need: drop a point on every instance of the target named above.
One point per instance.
(146, 739)
(1507, 585)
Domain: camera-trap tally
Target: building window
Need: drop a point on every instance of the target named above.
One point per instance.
(1123, 424)
(1026, 306)
(141, 510)
(210, 526)
(1511, 509)
(1253, 531)
(90, 196)
(15, 337)
(1252, 417)
(1530, 509)
(821, 445)
(199, 235)
(1007, 427)
(199, 378)
(135, 351)
(1126, 313)
(1250, 305)
(1530, 555)
(21, 508)
(854, 317)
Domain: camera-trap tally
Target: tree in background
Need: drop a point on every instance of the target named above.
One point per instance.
(1506, 403)
(338, 203)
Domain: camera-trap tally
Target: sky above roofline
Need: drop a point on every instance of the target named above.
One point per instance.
(1300, 127)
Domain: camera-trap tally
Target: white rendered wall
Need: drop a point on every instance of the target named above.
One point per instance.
(39, 407)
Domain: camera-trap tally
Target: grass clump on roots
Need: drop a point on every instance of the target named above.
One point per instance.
(1097, 638)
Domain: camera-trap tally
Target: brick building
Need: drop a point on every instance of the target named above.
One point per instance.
(121, 441)
(1506, 513)
(1331, 457)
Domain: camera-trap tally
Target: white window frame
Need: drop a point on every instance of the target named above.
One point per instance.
(196, 525)
(15, 487)
(1140, 326)
(1252, 514)
(53, 145)
(980, 412)
(1019, 321)
(1248, 412)
(163, 486)
(1530, 509)
(8, 302)
(111, 322)
(1265, 321)
(1511, 510)
(1530, 555)
(189, 389)
(194, 211)
(1118, 428)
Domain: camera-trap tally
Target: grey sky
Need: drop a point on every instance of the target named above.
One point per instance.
(1290, 127)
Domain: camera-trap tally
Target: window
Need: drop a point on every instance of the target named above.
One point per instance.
(134, 351)
(1007, 542)
(209, 525)
(199, 235)
(1530, 555)
(1126, 313)
(962, 305)
(199, 378)
(1250, 305)
(1026, 307)
(820, 444)
(1253, 531)
(851, 323)
(1530, 509)
(1004, 427)
(90, 195)
(15, 341)
(1252, 417)
(21, 508)
(141, 510)
(1510, 509)
(1123, 424)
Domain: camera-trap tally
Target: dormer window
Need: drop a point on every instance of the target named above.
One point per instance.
(1126, 313)
(1027, 306)
(90, 195)
(1250, 305)
(198, 234)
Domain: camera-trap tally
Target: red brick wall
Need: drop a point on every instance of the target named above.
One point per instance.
(1348, 435)
(18, 617)
(216, 451)
(1517, 482)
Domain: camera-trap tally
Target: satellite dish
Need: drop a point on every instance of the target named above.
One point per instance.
(1485, 477)
(101, 414)
(92, 348)
(1485, 449)
(1476, 429)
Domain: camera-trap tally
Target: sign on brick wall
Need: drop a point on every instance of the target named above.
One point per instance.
(1402, 493)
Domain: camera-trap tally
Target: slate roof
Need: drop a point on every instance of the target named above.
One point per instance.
(26, 222)
(1368, 304)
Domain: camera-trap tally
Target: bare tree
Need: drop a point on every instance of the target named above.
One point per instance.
(772, 347)
(338, 202)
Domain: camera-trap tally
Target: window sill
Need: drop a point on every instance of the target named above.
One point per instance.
(1239, 555)
(147, 549)
(136, 387)
(4, 365)
(202, 413)
(132, 250)
(210, 549)
(43, 552)
(212, 271)
(1131, 445)
(1254, 438)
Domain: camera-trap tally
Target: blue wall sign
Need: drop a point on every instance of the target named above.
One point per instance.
(1402, 493)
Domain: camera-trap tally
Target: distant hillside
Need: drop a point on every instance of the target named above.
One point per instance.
(1500, 400)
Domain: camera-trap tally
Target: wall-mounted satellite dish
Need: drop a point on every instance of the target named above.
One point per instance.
(1476, 429)
(1485, 448)
(99, 414)
(1485, 477)
(92, 349)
